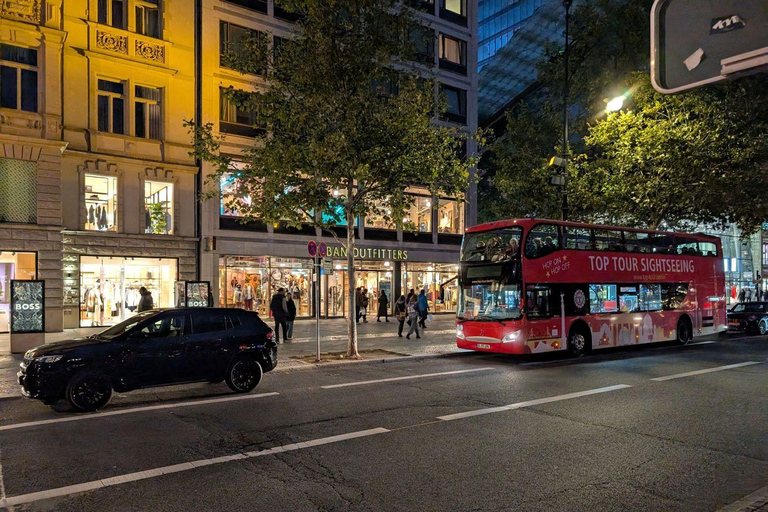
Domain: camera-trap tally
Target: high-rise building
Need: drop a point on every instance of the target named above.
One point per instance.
(497, 22)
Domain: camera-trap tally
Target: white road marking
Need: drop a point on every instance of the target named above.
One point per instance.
(708, 370)
(702, 343)
(530, 403)
(132, 410)
(392, 379)
(177, 468)
(2, 482)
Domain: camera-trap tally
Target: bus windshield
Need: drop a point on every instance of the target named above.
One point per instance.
(498, 245)
(490, 302)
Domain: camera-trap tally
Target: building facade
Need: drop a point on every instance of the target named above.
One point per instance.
(247, 262)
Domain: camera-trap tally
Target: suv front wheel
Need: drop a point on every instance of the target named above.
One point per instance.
(89, 391)
(243, 374)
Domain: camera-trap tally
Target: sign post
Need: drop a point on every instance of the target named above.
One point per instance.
(27, 315)
(312, 249)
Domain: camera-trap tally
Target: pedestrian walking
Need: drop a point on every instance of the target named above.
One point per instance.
(423, 309)
(400, 313)
(411, 293)
(146, 302)
(279, 307)
(759, 293)
(748, 294)
(290, 317)
(364, 310)
(383, 309)
(742, 294)
(413, 317)
(358, 303)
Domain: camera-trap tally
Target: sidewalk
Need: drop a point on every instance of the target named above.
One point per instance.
(438, 338)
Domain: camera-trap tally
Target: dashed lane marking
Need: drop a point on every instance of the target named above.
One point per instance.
(708, 370)
(409, 377)
(530, 403)
(177, 468)
(133, 410)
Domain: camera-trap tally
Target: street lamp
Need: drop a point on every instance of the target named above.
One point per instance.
(615, 104)
(566, 84)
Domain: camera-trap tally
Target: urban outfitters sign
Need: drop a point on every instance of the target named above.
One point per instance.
(27, 307)
(369, 253)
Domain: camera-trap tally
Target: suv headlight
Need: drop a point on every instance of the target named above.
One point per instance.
(49, 359)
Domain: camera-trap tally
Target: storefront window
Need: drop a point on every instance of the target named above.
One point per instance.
(249, 282)
(100, 203)
(13, 265)
(375, 276)
(377, 220)
(109, 287)
(420, 214)
(158, 207)
(439, 282)
(450, 216)
(232, 198)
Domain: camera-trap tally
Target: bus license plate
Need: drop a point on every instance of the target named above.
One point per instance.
(483, 345)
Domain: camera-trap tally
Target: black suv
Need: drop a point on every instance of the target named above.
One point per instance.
(746, 316)
(153, 348)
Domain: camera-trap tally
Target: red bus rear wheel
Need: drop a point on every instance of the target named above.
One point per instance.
(684, 330)
(579, 341)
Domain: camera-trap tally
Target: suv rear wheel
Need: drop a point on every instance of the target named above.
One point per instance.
(243, 374)
(89, 391)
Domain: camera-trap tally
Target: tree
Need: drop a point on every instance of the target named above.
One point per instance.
(349, 125)
(698, 157)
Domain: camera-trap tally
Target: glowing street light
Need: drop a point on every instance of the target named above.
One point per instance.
(615, 104)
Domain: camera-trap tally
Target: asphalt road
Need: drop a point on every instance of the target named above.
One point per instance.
(469, 432)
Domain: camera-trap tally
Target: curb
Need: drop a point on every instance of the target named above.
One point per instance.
(755, 501)
(380, 360)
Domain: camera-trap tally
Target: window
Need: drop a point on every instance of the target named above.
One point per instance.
(208, 321)
(18, 78)
(606, 240)
(423, 41)
(673, 295)
(578, 238)
(637, 242)
(166, 327)
(236, 119)
(100, 203)
(111, 106)
(158, 207)
(454, 11)
(453, 54)
(710, 249)
(649, 298)
(457, 103)
(254, 5)
(420, 214)
(542, 240)
(112, 12)
(498, 245)
(147, 116)
(232, 197)
(382, 219)
(18, 192)
(627, 299)
(148, 18)
(602, 298)
(233, 40)
(450, 216)
(538, 303)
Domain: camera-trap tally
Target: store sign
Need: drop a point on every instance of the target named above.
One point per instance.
(197, 294)
(369, 253)
(27, 306)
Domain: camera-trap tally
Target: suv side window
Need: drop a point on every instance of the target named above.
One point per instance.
(204, 321)
(167, 326)
(754, 307)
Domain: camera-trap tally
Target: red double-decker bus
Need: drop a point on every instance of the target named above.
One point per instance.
(535, 285)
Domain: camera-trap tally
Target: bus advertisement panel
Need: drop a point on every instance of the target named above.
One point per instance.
(534, 285)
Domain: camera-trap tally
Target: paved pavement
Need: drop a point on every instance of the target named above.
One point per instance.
(652, 429)
(438, 338)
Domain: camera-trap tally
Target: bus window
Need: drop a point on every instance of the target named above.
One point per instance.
(650, 297)
(627, 299)
(637, 242)
(606, 240)
(602, 298)
(542, 240)
(673, 295)
(662, 244)
(687, 246)
(539, 302)
(578, 238)
(708, 249)
(499, 245)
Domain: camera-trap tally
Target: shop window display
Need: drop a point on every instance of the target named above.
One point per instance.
(375, 276)
(450, 216)
(13, 265)
(420, 214)
(100, 203)
(439, 281)
(109, 287)
(158, 207)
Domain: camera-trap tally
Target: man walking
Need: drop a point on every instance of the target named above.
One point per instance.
(423, 309)
(279, 308)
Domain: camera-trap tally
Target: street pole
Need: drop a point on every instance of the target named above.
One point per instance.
(317, 305)
(566, 80)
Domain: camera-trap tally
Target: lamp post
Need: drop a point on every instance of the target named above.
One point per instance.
(566, 84)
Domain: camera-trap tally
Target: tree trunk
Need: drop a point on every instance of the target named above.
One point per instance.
(352, 306)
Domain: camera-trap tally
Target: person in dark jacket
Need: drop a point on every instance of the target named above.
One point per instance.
(291, 316)
(279, 308)
(423, 309)
(400, 313)
(408, 297)
(358, 303)
(383, 310)
(146, 302)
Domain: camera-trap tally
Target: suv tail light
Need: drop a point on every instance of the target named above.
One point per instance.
(270, 335)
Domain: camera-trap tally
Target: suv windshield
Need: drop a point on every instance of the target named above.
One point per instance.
(499, 245)
(490, 301)
(125, 325)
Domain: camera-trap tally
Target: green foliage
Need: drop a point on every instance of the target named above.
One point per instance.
(157, 217)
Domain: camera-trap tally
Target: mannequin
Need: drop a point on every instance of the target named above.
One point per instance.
(248, 294)
(237, 296)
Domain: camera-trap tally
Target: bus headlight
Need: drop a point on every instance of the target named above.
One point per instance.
(512, 336)
(460, 332)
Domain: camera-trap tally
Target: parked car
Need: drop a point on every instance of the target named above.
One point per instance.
(747, 316)
(153, 348)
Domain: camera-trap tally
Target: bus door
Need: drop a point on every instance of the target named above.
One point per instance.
(542, 308)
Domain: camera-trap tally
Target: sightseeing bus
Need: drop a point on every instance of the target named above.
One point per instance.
(534, 285)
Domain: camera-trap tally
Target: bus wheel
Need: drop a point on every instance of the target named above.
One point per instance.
(578, 342)
(684, 331)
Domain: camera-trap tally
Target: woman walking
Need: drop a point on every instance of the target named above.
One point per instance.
(383, 310)
(400, 314)
(413, 317)
(423, 309)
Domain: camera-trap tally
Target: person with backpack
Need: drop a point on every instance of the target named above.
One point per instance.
(400, 313)
(279, 307)
(290, 317)
(413, 317)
